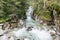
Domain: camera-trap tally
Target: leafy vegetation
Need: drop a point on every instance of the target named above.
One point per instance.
(8, 7)
(42, 8)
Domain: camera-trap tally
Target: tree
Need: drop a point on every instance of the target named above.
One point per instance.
(8, 7)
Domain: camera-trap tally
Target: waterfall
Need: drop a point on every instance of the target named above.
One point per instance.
(31, 32)
(29, 12)
(29, 21)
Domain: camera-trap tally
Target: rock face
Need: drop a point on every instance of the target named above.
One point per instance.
(12, 38)
(57, 38)
(52, 32)
(20, 23)
(6, 25)
(13, 25)
(1, 25)
(57, 20)
(13, 20)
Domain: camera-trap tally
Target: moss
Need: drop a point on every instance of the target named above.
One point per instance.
(4, 19)
(44, 14)
(56, 7)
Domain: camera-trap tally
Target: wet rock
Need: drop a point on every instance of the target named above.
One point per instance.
(11, 38)
(13, 25)
(52, 32)
(57, 38)
(6, 26)
(20, 23)
(58, 33)
(29, 28)
(1, 25)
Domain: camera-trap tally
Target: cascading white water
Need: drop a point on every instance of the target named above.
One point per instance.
(34, 34)
(29, 12)
(24, 34)
(29, 21)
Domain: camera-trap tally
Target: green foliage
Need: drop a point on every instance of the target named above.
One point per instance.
(44, 14)
(56, 7)
(19, 7)
(8, 7)
(50, 5)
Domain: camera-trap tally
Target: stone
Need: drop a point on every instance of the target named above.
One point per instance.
(52, 32)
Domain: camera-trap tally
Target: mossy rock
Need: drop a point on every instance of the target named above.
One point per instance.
(44, 14)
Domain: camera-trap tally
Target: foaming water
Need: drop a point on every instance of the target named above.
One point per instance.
(30, 32)
(41, 35)
(29, 13)
(34, 33)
